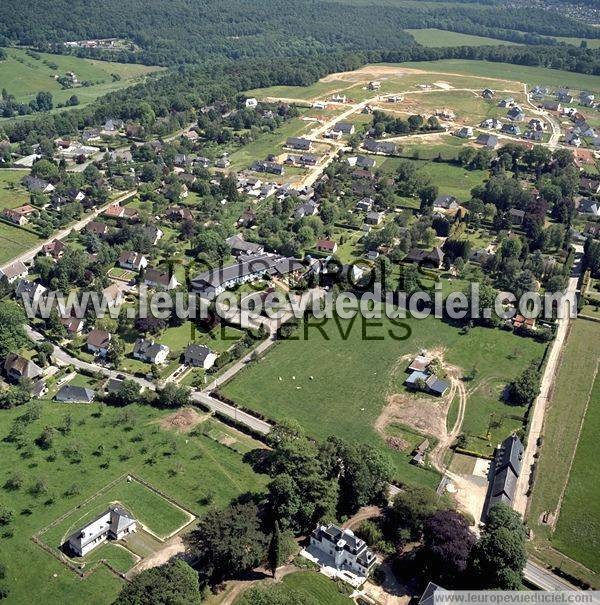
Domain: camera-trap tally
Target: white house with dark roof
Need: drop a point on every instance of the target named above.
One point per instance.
(340, 550)
(113, 524)
(149, 351)
(199, 356)
(14, 271)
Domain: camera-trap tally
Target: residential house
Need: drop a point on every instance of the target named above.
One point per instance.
(374, 218)
(365, 205)
(589, 206)
(516, 114)
(534, 135)
(337, 98)
(98, 342)
(239, 246)
(516, 216)
(270, 167)
(73, 325)
(251, 103)
(298, 143)
(433, 258)
(589, 185)
(428, 596)
(309, 208)
(344, 128)
(149, 351)
(586, 98)
(115, 211)
(55, 249)
(113, 125)
(429, 383)
(178, 213)
(14, 271)
(69, 393)
(446, 202)
(161, 280)
(16, 215)
(154, 234)
(488, 93)
(223, 162)
(491, 124)
(418, 454)
(113, 295)
(132, 261)
(553, 106)
(342, 550)
(564, 96)
(326, 245)
(507, 102)
(487, 140)
(30, 290)
(114, 524)
(97, 228)
(374, 85)
(466, 132)
(199, 356)
(505, 471)
(573, 139)
(382, 147)
(511, 129)
(36, 185)
(17, 367)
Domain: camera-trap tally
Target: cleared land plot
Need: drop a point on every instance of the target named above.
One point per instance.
(578, 530)
(12, 193)
(25, 76)
(507, 71)
(352, 379)
(311, 586)
(439, 37)
(104, 443)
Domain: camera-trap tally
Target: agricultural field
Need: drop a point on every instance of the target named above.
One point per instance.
(311, 585)
(439, 37)
(102, 445)
(345, 382)
(577, 41)
(558, 486)
(24, 76)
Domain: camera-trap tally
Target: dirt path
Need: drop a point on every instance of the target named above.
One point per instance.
(365, 513)
(237, 587)
(172, 547)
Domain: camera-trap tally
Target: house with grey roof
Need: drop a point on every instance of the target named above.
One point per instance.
(145, 349)
(17, 367)
(199, 356)
(240, 246)
(14, 271)
(341, 549)
(70, 393)
(504, 473)
(298, 143)
(113, 524)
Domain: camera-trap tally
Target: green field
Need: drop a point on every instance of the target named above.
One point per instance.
(577, 526)
(352, 378)
(23, 76)
(440, 37)
(12, 193)
(507, 71)
(577, 41)
(193, 469)
(310, 585)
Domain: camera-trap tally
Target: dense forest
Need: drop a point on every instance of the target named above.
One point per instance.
(189, 30)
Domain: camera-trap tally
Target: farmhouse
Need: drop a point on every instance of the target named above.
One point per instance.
(73, 394)
(114, 524)
(342, 550)
(199, 356)
(505, 471)
(149, 351)
(424, 381)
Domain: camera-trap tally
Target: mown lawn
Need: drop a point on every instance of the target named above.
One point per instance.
(310, 585)
(12, 192)
(578, 530)
(25, 76)
(109, 442)
(337, 386)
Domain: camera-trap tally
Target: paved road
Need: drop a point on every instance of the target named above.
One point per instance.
(545, 580)
(28, 256)
(540, 404)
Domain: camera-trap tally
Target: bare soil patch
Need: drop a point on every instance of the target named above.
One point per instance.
(183, 421)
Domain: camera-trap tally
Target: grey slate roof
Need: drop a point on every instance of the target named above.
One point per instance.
(73, 394)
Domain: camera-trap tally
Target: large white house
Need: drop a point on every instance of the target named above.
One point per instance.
(115, 523)
(342, 550)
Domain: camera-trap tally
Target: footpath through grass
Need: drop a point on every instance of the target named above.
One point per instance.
(577, 533)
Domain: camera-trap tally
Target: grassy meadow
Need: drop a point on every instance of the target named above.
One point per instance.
(438, 37)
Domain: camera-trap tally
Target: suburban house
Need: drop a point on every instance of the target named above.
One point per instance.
(342, 550)
(19, 216)
(516, 114)
(17, 367)
(326, 245)
(14, 271)
(516, 216)
(365, 205)
(487, 93)
(491, 124)
(31, 290)
(589, 206)
(298, 143)
(160, 279)
(69, 393)
(589, 185)
(466, 132)
(511, 129)
(251, 103)
(309, 208)
(504, 473)
(36, 185)
(240, 246)
(267, 166)
(98, 342)
(374, 218)
(380, 146)
(114, 524)
(113, 295)
(55, 249)
(73, 325)
(433, 258)
(97, 228)
(446, 202)
(552, 106)
(343, 127)
(133, 261)
(199, 356)
(149, 351)
(428, 596)
(487, 140)
(153, 233)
